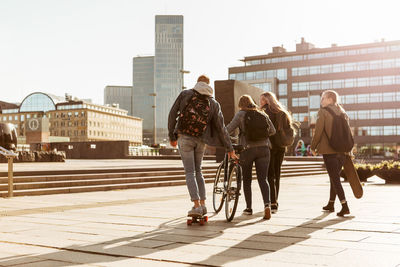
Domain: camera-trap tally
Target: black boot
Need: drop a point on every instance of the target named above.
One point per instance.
(345, 210)
(330, 207)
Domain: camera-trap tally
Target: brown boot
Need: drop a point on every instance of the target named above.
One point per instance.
(345, 210)
(267, 213)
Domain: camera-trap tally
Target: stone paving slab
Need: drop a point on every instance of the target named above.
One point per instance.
(147, 227)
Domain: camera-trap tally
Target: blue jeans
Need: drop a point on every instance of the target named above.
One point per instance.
(334, 164)
(260, 156)
(192, 151)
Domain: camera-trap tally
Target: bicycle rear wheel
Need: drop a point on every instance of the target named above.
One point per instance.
(218, 189)
(233, 192)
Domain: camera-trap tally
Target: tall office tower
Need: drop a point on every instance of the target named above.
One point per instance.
(121, 95)
(144, 95)
(366, 76)
(168, 68)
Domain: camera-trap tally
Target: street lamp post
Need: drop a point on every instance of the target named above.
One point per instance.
(154, 117)
(184, 72)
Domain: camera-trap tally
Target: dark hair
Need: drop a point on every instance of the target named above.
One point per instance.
(246, 102)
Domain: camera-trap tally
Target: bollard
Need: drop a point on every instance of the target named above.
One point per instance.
(10, 177)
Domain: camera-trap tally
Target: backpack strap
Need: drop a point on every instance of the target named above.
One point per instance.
(333, 115)
(280, 120)
(330, 111)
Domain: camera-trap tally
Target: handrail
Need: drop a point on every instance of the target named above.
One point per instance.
(10, 155)
(7, 153)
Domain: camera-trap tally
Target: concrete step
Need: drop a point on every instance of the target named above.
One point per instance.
(20, 183)
(92, 188)
(50, 182)
(110, 176)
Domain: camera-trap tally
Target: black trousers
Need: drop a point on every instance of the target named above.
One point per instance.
(334, 164)
(274, 172)
(260, 157)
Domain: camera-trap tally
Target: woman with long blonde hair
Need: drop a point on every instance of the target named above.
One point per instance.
(333, 159)
(254, 152)
(281, 119)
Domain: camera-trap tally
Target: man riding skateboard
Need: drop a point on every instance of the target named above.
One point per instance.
(195, 120)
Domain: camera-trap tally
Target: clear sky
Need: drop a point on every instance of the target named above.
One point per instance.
(80, 46)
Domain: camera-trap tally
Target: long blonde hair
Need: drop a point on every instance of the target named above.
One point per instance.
(246, 102)
(275, 105)
(335, 98)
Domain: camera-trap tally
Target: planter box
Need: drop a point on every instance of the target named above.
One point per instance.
(391, 176)
(363, 174)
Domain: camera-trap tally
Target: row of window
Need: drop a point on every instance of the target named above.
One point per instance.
(370, 98)
(377, 130)
(68, 123)
(19, 117)
(7, 111)
(93, 133)
(373, 114)
(76, 114)
(343, 53)
(345, 67)
(281, 74)
(267, 87)
(346, 83)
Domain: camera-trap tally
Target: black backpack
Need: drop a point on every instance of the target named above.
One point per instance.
(285, 132)
(341, 139)
(194, 117)
(256, 126)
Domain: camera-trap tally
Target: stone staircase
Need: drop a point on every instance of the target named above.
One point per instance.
(75, 181)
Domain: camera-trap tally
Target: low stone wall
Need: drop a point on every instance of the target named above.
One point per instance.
(37, 156)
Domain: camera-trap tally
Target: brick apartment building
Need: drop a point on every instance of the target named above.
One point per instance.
(366, 76)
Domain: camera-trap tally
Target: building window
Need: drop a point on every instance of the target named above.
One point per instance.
(389, 113)
(282, 89)
(300, 102)
(283, 101)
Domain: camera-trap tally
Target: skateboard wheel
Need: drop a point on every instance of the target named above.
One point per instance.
(201, 221)
(206, 218)
(189, 222)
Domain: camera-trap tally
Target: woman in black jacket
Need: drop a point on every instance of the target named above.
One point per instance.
(281, 119)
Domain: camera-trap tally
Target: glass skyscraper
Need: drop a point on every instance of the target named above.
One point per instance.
(143, 95)
(168, 66)
(121, 95)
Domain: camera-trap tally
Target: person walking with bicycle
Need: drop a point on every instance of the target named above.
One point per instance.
(255, 127)
(195, 120)
(320, 144)
(283, 137)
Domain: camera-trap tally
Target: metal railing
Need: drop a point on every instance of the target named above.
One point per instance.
(10, 155)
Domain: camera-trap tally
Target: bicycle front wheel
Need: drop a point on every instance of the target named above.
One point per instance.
(233, 192)
(218, 189)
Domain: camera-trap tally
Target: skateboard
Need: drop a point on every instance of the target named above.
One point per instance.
(197, 219)
(352, 177)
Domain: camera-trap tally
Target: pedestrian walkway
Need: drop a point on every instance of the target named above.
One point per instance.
(147, 227)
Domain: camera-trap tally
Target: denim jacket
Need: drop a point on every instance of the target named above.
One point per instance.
(215, 133)
(238, 122)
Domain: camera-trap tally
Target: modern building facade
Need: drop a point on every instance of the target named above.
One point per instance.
(168, 68)
(73, 120)
(366, 76)
(144, 95)
(121, 96)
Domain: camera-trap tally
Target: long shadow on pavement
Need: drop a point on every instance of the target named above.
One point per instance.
(259, 247)
(169, 235)
(174, 232)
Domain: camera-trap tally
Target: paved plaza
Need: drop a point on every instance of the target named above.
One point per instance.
(147, 227)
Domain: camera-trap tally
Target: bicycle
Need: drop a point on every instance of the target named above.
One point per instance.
(227, 185)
